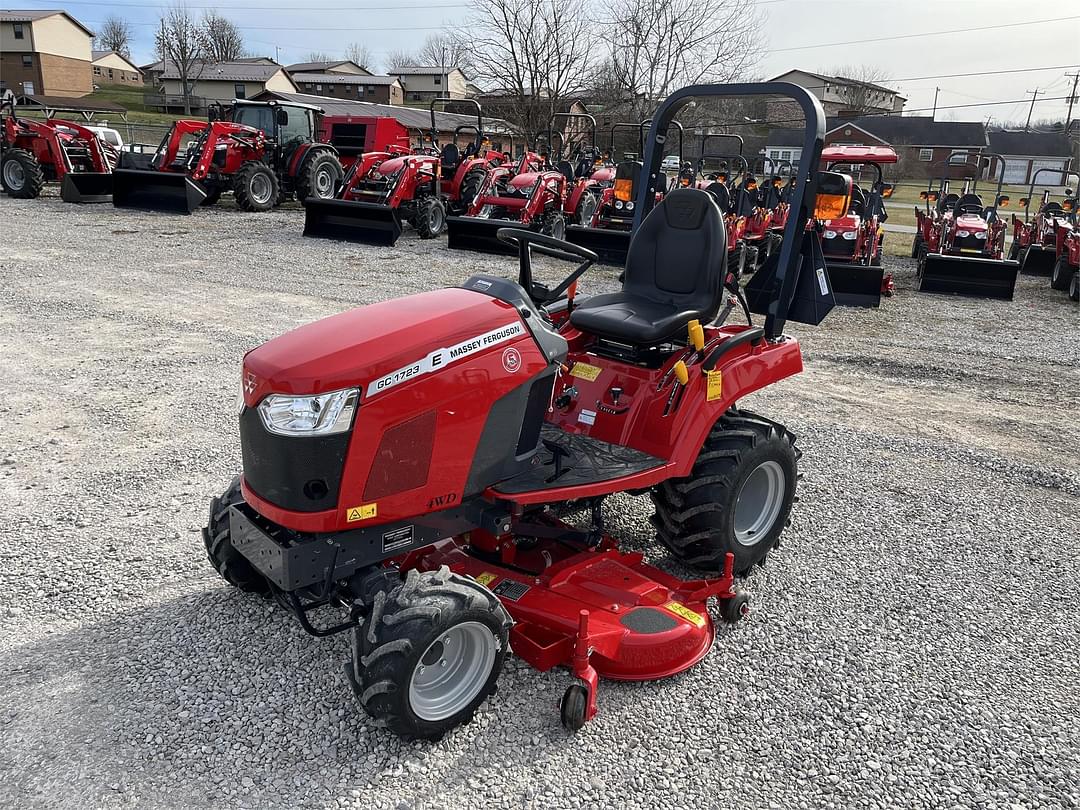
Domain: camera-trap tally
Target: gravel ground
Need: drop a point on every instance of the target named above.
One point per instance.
(913, 644)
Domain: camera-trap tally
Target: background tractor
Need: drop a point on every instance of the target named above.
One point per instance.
(1034, 238)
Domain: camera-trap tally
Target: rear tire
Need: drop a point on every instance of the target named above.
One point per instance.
(21, 174)
(413, 679)
(1059, 277)
(470, 187)
(1074, 286)
(227, 561)
(736, 499)
(255, 187)
(319, 177)
(915, 245)
(430, 219)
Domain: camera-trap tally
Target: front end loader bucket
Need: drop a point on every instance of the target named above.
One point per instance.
(610, 245)
(349, 221)
(477, 233)
(86, 187)
(156, 191)
(968, 275)
(1037, 260)
(855, 285)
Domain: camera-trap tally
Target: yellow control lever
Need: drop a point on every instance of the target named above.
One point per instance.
(697, 335)
(681, 374)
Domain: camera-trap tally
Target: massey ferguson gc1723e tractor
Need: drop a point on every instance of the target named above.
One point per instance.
(410, 461)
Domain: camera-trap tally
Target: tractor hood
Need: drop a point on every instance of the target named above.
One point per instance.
(849, 222)
(524, 180)
(362, 345)
(391, 165)
(971, 222)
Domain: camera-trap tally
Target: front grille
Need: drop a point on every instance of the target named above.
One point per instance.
(969, 243)
(838, 246)
(298, 473)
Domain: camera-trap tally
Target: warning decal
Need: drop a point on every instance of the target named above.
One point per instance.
(714, 385)
(486, 578)
(585, 371)
(683, 612)
(398, 538)
(363, 512)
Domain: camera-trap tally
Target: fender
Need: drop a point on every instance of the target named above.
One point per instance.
(306, 150)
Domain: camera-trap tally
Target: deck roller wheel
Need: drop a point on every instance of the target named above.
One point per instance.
(735, 608)
(572, 707)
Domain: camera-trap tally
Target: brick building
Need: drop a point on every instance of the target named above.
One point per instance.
(376, 89)
(922, 144)
(45, 52)
(113, 68)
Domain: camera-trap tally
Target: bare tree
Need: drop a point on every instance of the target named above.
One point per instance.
(447, 50)
(318, 56)
(361, 54)
(862, 91)
(658, 46)
(395, 60)
(114, 35)
(222, 40)
(179, 43)
(536, 54)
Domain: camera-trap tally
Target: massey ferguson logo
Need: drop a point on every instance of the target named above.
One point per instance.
(250, 383)
(511, 360)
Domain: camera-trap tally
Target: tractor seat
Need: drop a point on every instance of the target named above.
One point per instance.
(566, 170)
(1052, 208)
(722, 194)
(451, 156)
(858, 201)
(968, 204)
(674, 274)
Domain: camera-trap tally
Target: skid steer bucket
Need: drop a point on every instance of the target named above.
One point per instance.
(156, 191)
(1037, 260)
(477, 233)
(856, 285)
(371, 223)
(967, 275)
(86, 187)
(610, 245)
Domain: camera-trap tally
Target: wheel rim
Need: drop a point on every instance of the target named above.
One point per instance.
(14, 176)
(586, 210)
(260, 188)
(452, 671)
(760, 501)
(324, 183)
(435, 219)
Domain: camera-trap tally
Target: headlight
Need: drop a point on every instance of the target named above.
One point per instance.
(618, 205)
(830, 234)
(629, 206)
(962, 234)
(851, 236)
(317, 415)
(980, 235)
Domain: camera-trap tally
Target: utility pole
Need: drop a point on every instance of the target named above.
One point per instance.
(1034, 95)
(933, 115)
(277, 54)
(1072, 98)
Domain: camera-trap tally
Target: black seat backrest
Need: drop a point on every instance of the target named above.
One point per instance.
(566, 170)
(858, 201)
(1053, 208)
(969, 202)
(451, 156)
(722, 194)
(678, 255)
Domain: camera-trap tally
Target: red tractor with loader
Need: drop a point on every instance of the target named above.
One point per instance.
(960, 242)
(262, 151)
(35, 152)
(852, 243)
(411, 460)
(1066, 273)
(1034, 239)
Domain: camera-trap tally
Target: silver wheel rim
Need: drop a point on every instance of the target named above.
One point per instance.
(324, 183)
(760, 501)
(435, 219)
(14, 175)
(260, 188)
(588, 208)
(452, 671)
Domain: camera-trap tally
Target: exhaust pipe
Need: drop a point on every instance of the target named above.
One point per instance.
(156, 191)
(612, 246)
(856, 285)
(370, 223)
(967, 275)
(479, 234)
(1037, 260)
(86, 187)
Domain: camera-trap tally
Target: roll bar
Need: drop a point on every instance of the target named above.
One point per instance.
(570, 116)
(1031, 188)
(644, 124)
(443, 100)
(803, 197)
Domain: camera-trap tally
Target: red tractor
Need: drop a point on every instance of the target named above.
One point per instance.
(960, 243)
(586, 168)
(264, 153)
(1066, 273)
(382, 190)
(411, 461)
(852, 243)
(33, 153)
(1034, 241)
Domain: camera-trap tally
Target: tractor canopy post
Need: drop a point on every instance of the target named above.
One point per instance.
(444, 100)
(570, 116)
(805, 191)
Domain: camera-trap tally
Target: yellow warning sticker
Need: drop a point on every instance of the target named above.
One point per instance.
(684, 612)
(486, 578)
(585, 372)
(715, 385)
(365, 511)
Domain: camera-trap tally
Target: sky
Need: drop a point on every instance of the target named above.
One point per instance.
(796, 34)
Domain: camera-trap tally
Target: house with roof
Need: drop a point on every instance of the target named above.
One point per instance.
(1026, 153)
(422, 84)
(335, 66)
(354, 86)
(837, 94)
(220, 82)
(44, 53)
(922, 144)
(111, 67)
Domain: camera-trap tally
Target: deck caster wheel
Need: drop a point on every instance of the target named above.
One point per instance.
(572, 707)
(735, 607)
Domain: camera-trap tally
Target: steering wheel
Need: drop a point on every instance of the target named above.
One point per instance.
(524, 241)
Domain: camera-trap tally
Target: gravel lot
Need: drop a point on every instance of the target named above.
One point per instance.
(914, 643)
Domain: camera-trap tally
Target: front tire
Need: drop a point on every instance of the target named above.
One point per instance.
(21, 174)
(470, 187)
(736, 499)
(1074, 286)
(255, 187)
(319, 177)
(430, 219)
(1014, 250)
(227, 561)
(586, 209)
(1059, 277)
(430, 653)
(554, 226)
